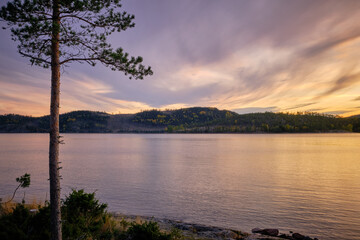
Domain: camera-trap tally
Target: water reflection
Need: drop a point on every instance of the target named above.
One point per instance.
(304, 182)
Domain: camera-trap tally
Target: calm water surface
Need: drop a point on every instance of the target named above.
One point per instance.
(308, 183)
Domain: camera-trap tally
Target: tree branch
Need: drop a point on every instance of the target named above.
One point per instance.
(80, 59)
(83, 19)
(44, 13)
(35, 58)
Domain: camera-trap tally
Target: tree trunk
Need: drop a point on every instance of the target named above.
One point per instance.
(54, 128)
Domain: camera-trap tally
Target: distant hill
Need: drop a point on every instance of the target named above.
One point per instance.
(186, 120)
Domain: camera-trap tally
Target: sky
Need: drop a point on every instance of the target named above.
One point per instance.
(239, 55)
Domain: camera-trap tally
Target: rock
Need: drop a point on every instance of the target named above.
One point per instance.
(228, 234)
(256, 230)
(267, 231)
(270, 232)
(298, 236)
(203, 228)
(284, 236)
(182, 226)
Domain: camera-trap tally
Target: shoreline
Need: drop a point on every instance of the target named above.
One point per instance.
(196, 231)
(195, 133)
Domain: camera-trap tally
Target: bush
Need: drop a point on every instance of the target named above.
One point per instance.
(21, 224)
(83, 217)
(147, 230)
(16, 224)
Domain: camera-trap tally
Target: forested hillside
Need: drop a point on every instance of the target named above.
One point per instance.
(187, 120)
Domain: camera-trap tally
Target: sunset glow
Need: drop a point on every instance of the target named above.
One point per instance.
(244, 56)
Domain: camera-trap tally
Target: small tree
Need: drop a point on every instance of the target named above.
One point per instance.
(54, 33)
(24, 182)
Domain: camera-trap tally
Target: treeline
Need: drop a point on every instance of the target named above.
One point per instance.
(185, 116)
(77, 122)
(212, 120)
(187, 120)
(282, 123)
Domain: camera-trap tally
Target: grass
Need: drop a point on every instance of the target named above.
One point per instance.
(7, 207)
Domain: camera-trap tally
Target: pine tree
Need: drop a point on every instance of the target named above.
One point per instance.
(54, 33)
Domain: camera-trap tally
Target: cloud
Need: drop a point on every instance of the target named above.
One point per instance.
(255, 110)
(231, 54)
(299, 106)
(315, 110)
(357, 99)
(341, 83)
(340, 112)
(330, 43)
(14, 100)
(83, 92)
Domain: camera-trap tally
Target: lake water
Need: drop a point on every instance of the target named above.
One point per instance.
(308, 183)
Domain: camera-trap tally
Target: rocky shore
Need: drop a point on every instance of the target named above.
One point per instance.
(194, 231)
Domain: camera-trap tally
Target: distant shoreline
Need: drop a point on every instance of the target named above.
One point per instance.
(188, 120)
(187, 133)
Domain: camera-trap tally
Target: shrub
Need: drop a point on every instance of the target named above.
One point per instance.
(83, 217)
(147, 230)
(15, 225)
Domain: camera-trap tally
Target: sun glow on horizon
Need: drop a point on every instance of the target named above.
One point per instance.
(271, 62)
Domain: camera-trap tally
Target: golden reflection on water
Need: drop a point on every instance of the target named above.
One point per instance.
(304, 182)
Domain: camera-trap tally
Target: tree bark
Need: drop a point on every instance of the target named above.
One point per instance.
(55, 206)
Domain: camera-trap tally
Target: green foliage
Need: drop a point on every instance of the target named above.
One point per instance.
(83, 121)
(40, 223)
(83, 25)
(186, 116)
(176, 234)
(147, 230)
(83, 215)
(57, 32)
(205, 120)
(24, 180)
(16, 224)
(21, 224)
(193, 120)
(13, 122)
